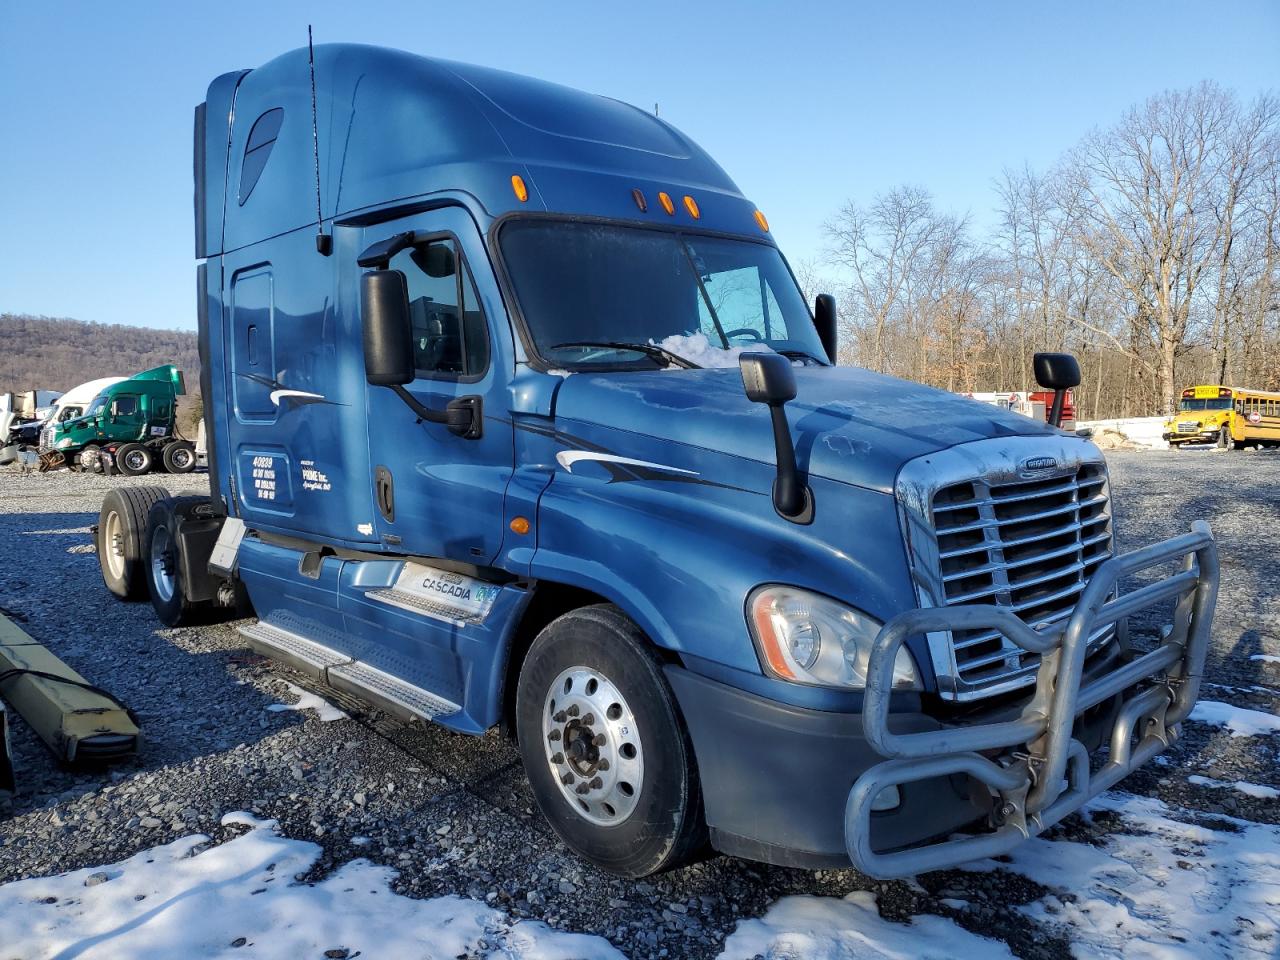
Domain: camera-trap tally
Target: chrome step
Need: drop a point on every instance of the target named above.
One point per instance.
(423, 605)
(390, 693)
(305, 656)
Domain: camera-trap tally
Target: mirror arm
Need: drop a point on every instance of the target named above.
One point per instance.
(789, 494)
(463, 416)
(1055, 411)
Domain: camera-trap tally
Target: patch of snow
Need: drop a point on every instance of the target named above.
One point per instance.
(1248, 789)
(696, 348)
(1140, 431)
(827, 928)
(309, 701)
(560, 373)
(954, 904)
(1265, 658)
(1161, 888)
(1241, 721)
(172, 901)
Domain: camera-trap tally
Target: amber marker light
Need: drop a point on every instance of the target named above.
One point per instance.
(769, 642)
(664, 198)
(518, 187)
(520, 525)
(691, 205)
(641, 202)
(761, 222)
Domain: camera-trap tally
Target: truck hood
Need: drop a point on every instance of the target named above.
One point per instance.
(848, 424)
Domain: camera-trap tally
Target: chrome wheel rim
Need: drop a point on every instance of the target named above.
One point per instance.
(181, 458)
(593, 746)
(113, 544)
(136, 460)
(162, 564)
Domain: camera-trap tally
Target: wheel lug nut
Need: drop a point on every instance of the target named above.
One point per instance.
(589, 719)
(603, 764)
(559, 717)
(566, 779)
(557, 758)
(572, 711)
(582, 788)
(598, 740)
(553, 735)
(596, 783)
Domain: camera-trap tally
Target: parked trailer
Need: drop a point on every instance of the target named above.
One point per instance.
(534, 428)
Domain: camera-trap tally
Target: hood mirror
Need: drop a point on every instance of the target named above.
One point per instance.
(769, 379)
(824, 319)
(1058, 372)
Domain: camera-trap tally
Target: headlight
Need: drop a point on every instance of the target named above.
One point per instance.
(808, 638)
(64, 443)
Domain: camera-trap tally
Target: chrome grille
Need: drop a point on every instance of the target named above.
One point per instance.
(1029, 546)
(46, 439)
(1185, 427)
(1020, 523)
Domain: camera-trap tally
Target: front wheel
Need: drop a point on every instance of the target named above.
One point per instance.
(606, 753)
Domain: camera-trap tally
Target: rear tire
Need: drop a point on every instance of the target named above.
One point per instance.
(179, 457)
(133, 460)
(593, 709)
(122, 536)
(164, 572)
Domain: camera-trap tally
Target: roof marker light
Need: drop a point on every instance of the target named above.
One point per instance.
(761, 222)
(517, 185)
(692, 206)
(641, 202)
(665, 199)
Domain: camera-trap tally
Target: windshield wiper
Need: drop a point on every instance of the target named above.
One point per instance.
(800, 355)
(651, 350)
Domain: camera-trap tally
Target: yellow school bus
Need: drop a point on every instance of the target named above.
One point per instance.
(1227, 416)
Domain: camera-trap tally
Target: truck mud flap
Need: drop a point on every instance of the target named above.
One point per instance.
(7, 787)
(1033, 767)
(79, 722)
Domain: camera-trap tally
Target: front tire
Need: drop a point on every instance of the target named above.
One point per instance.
(603, 745)
(122, 538)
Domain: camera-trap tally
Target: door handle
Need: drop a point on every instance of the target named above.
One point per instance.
(384, 486)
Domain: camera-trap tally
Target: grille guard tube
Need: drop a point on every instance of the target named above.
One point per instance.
(1046, 773)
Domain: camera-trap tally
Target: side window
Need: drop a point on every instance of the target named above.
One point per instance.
(162, 410)
(262, 137)
(450, 338)
(125, 407)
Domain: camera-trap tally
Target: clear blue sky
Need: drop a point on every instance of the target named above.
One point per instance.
(806, 104)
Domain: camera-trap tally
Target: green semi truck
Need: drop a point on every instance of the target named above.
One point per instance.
(130, 427)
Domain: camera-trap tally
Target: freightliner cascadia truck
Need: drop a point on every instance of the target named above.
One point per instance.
(517, 417)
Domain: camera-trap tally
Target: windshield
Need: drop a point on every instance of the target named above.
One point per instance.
(96, 405)
(1222, 403)
(585, 283)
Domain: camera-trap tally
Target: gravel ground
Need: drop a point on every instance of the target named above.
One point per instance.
(454, 814)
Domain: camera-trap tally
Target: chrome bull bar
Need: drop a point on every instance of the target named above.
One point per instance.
(1040, 772)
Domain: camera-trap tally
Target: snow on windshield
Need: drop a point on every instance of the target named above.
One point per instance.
(696, 348)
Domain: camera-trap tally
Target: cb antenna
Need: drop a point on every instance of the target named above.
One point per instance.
(324, 242)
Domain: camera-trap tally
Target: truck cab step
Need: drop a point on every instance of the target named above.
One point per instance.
(415, 603)
(305, 656)
(388, 692)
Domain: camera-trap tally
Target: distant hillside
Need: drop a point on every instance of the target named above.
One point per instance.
(55, 353)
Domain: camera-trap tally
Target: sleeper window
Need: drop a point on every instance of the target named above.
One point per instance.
(450, 339)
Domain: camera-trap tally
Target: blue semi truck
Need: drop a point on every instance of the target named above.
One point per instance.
(517, 417)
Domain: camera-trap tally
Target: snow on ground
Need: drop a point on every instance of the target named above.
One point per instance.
(1159, 887)
(1248, 789)
(696, 348)
(180, 900)
(826, 928)
(1241, 721)
(1265, 658)
(1140, 431)
(309, 701)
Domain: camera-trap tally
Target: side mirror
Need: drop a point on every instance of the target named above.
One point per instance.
(769, 379)
(1058, 372)
(824, 319)
(388, 332)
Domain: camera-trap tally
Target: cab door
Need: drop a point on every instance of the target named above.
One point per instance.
(438, 494)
